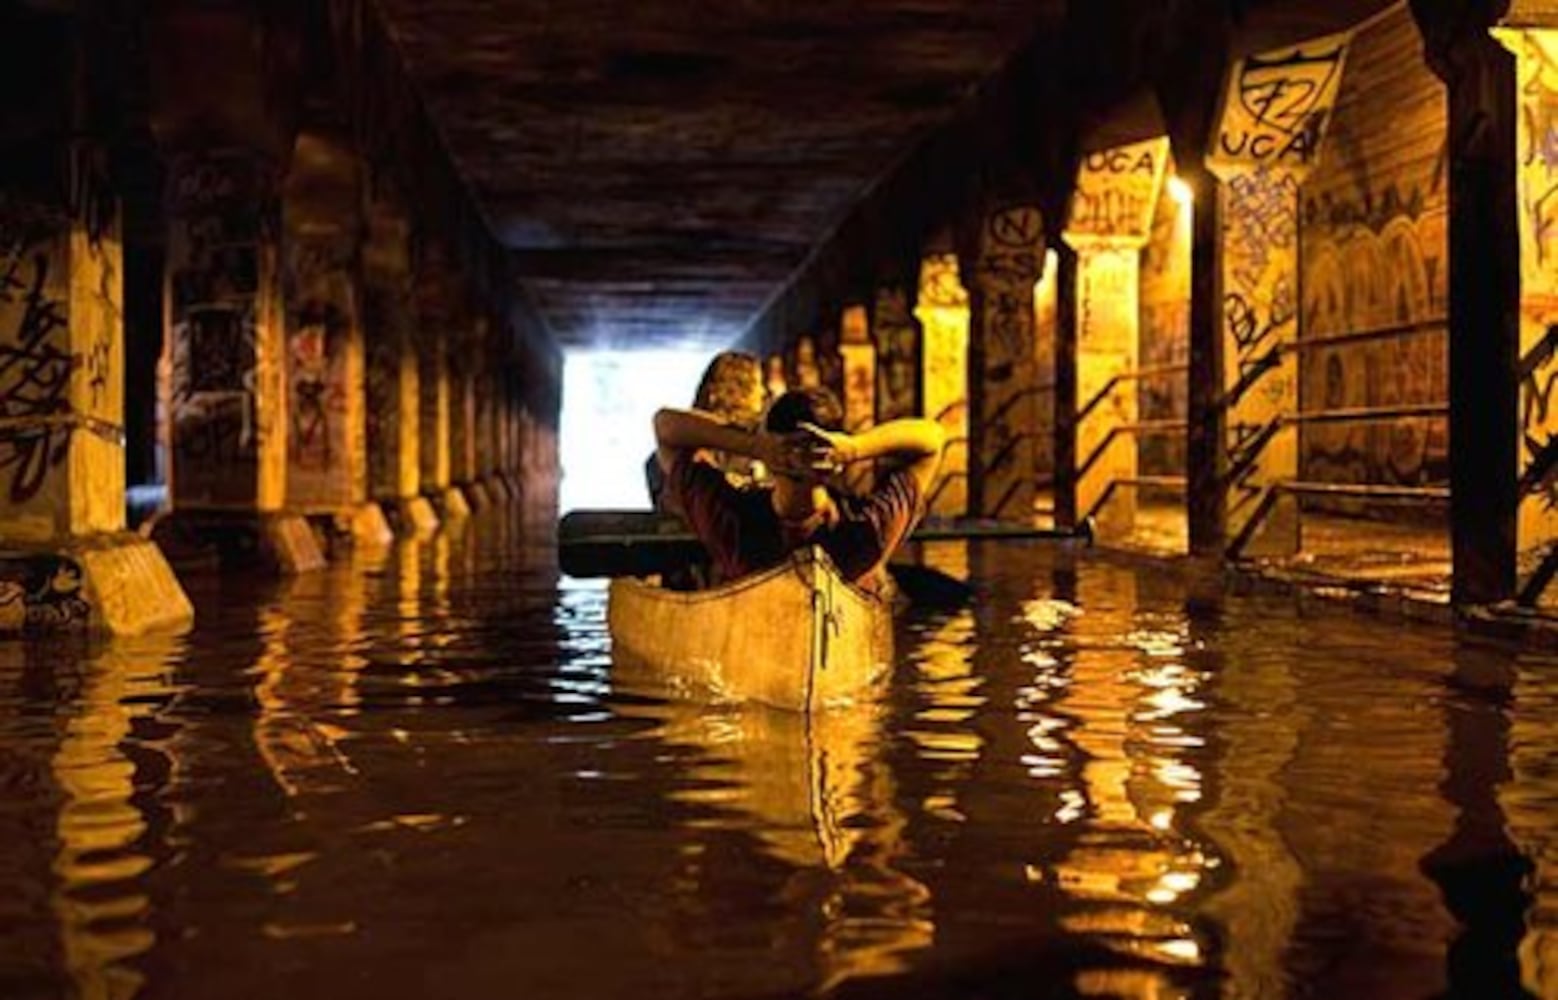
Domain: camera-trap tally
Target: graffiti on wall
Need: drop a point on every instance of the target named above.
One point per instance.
(220, 218)
(897, 355)
(1165, 334)
(1277, 105)
(1011, 257)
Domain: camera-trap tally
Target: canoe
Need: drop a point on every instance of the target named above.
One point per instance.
(796, 637)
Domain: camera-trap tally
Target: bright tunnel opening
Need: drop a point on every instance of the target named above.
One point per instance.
(609, 403)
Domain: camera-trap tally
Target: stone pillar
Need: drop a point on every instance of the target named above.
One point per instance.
(897, 340)
(1269, 136)
(435, 316)
(942, 310)
(1532, 37)
(1065, 446)
(1008, 260)
(68, 561)
(858, 357)
(805, 371)
(773, 376)
(465, 363)
(393, 398)
(327, 446)
(1110, 222)
(489, 396)
(1045, 323)
(221, 79)
(1206, 461)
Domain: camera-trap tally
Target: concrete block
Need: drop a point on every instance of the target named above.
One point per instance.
(115, 584)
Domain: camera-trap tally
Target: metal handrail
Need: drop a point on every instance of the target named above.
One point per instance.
(1132, 375)
(1415, 328)
(1140, 428)
(1363, 414)
(1149, 482)
(1366, 491)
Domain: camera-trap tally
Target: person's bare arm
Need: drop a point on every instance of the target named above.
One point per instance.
(913, 442)
(689, 430)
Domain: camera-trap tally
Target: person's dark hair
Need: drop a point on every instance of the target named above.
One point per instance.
(805, 406)
(728, 385)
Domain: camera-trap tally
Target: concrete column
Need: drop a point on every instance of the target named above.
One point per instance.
(489, 410)
(1532, 37)
(393, 398)
(1065, 439)
(1110, 222)
(942, 310)
(858, 357)
(1263, 150)
(327, 446)
(69, 563)
(435, 316)
(1008, 260)
(464, 362)
(220, 80)
(897, 340)
(804, 369)
(1206, 461)
(773, 376)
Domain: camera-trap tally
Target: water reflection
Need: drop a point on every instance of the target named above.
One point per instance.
(421, 774)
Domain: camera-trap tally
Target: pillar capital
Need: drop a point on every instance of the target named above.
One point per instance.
(1115, 195)
(1275, 108)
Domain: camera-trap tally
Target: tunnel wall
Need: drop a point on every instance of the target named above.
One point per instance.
(1373, 254)
(1165, 332)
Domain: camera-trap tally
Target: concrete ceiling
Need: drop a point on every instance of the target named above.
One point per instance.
(659, 169)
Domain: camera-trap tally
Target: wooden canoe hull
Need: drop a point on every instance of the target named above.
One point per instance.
(795, 637)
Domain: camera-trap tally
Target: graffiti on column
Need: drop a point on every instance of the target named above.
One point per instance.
(1260, 236)
(1537, 186)
(1277, 105)
(36, 365)
(1011, 256)
(321, 308)
(317, 401)
(41, 593)
(1117, 190)
(897, 355)
(220, 218)
(381, 319)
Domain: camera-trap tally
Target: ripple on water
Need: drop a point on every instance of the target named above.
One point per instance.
(419, 775)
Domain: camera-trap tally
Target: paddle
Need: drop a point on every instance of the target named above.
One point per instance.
(641, 542)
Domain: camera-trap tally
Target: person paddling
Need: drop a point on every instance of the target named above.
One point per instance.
(803, 447)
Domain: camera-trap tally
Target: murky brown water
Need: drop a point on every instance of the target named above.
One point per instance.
(418, 779)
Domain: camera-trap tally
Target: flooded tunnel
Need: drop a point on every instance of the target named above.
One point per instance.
(758, 500)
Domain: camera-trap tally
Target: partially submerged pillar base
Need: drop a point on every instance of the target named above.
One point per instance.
(118, 584)
(498, 490)
(280, 543)
(477, 496)
(370, 527)
(451, 505)
(411, 517)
